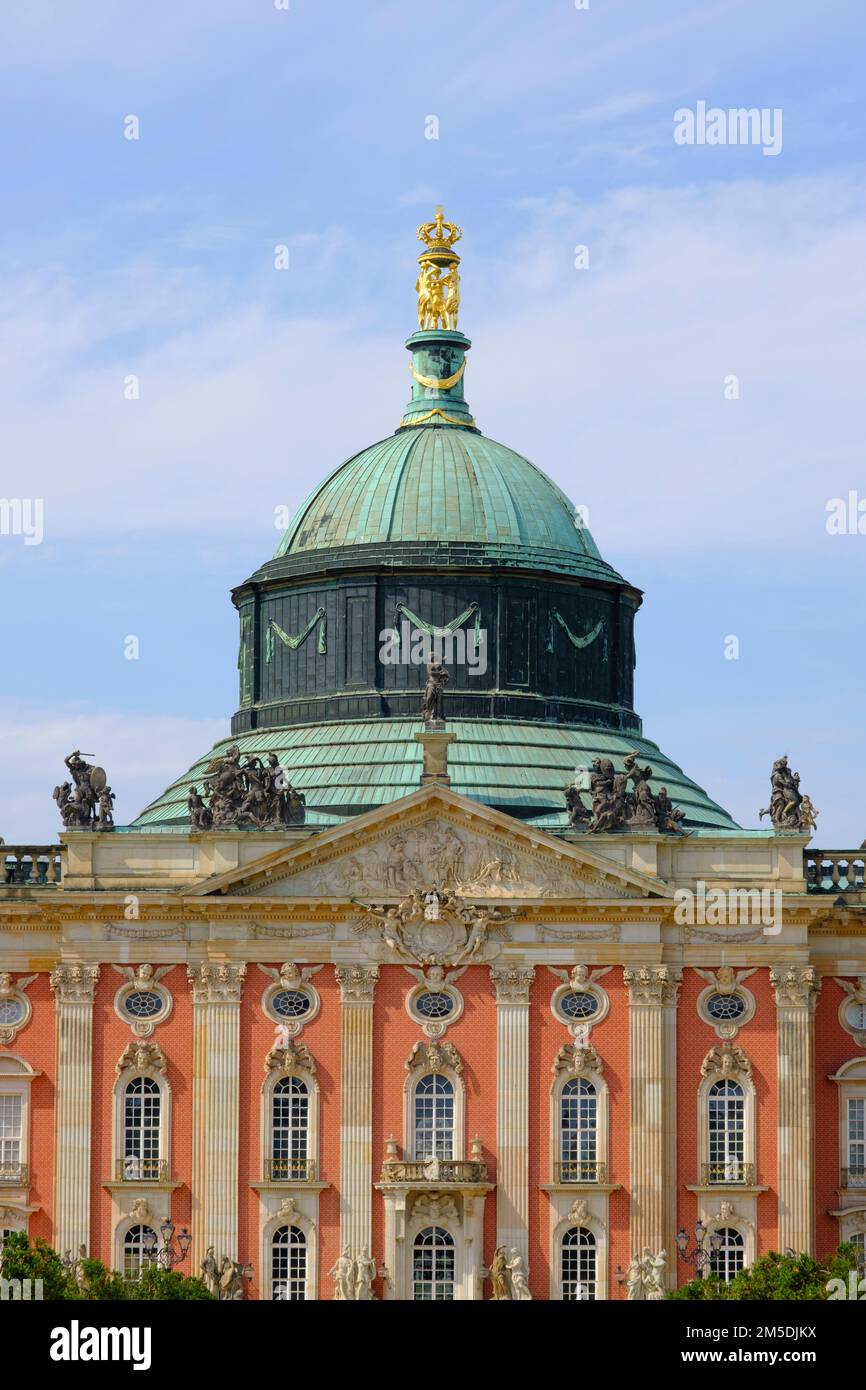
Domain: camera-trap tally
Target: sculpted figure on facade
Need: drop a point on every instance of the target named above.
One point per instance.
(432, 701)
(499, 1275)
(616, 807)
(364, 1274)
(645, 1276)
(85, 803)
(435, 928)
(247, 795)
(788, 808)
(343, 1274)
(520, 1292)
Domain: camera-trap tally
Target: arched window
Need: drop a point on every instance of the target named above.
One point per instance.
(728, 1259)
(578, 1138)
(141, 1115)
(290, 1130)
(134, 1249)
(289, 1265)
(858, 1240)
(726, 1111)
(434, 1117)
(433, 1265)
(578, 1265)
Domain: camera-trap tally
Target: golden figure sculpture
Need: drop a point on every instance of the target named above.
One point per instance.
(438, 284)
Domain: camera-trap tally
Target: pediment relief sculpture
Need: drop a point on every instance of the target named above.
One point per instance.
(435, 928)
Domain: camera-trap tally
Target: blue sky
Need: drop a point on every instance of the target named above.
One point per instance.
(261, 126)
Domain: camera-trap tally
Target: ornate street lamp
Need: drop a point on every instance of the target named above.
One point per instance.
(699, 1255)
(166, 1255)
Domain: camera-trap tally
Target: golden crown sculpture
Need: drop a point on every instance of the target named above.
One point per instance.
(439, 237)
(438, 292)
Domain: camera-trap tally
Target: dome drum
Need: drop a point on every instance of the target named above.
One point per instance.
(351, 647)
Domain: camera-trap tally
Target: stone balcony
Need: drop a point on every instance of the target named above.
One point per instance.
(434, 1172)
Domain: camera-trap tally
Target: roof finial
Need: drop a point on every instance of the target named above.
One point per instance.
(438, 284)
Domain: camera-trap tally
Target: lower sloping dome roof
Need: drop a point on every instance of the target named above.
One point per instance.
(345, 768)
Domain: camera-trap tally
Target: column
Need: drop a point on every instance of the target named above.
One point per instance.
(357, 989)
(216, 992)
(73, 987)
(653, 994)
(512, 985)
(796, 988)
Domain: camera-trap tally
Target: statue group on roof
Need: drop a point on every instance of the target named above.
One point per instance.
(87, 802)
(789, 809)
(618, 806)
(245, 795)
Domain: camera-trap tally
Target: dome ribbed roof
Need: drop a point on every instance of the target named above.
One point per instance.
(439, 485)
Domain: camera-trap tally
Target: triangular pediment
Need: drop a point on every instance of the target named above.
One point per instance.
(435, 838)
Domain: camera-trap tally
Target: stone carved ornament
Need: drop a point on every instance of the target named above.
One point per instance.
(434, 1056)
(142, 1056)
(726, 1060)
(353, 1276)
(433, 854)
(579, 1058)
(509, 1276)
(74, 984)
(9, 989)
(435, 928)
(796, 986)
(288, 1056)
(725, 980)
(653, 984)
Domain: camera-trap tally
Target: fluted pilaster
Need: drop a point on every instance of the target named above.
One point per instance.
(216, 993)
(512, 985)
(357, 990)
(73, 987)
(653, 993)
(796, 989)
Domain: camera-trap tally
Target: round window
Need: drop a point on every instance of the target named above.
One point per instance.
(291, 1003)
(11, 1011)
(144, 1003)
(725, 1007)
(855, 1017)
(431, 1005)
(578, 1004)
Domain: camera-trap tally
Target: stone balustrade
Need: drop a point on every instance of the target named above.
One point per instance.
(835, 871)
(30, 866)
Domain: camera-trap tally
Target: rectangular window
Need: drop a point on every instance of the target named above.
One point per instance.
(10, 1134)
(857, 1141)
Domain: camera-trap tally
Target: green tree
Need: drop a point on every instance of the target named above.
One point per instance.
(21, 1260)
(776, 1278)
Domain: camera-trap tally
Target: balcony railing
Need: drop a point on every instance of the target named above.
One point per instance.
(854, 1177)
(13, 1174)
(438, 1170)
(579, 1170)
(727, 1174)
(142, 1170)
(289, 1170)
(835, 871)
(30, 866)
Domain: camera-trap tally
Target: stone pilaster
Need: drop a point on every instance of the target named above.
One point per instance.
(512, 985)
(216, 993)
(357, 990)
(74, 987)
(796, 989)
(653, 994)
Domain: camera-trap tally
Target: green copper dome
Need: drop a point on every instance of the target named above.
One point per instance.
(436, 484)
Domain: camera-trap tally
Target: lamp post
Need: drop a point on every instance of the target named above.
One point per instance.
(167, 1255)
(699, 1255)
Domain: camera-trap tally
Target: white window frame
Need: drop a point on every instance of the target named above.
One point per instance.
(581, 1216)
(297, 1236)
(455, 1281)
(459, 1123)
(269, 1086)
(16, 1078)
(744, 1246)
(851, 1081)
(153, 1074)
(743, 1079)
(124, 1230)
(307, 1226)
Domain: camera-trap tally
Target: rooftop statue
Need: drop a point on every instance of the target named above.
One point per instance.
(249, 795)
(86, 802)
(615, 807)
(789, 809)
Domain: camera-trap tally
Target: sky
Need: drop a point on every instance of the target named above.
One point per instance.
(694, 378)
